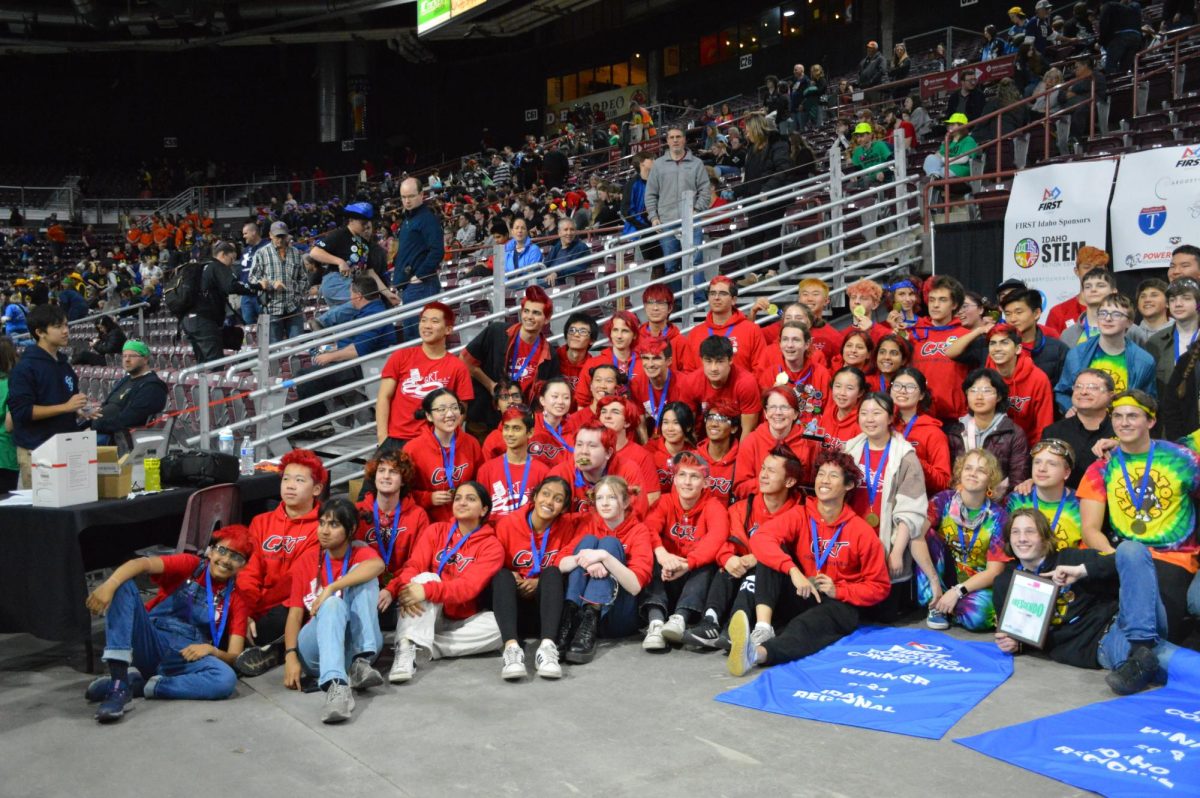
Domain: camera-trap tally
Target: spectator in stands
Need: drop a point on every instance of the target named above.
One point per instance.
(1040, 28)
(467, 234)
(555, 167)
(364, 296)
(1120, 35)
(815, 98)
(674, 173)
(872, 69)
(768, 167)
(520, 252)
(633, 202)
(918, 116)
(10, 470)
(202, 325)
(108, 341)
(71, 301)
(1080, 29)
(565, 250)
(1079, 95)
(1050, 99)
(421, 251)
(334, 289)
(899, 69)
(138, 397)
(278, 272)
(800, 84)
(969, 99)
(346, 247)
(1185, 262)
(776, 104)
(254, 242)
(1152, 306)
(501, 172)
(993, 46)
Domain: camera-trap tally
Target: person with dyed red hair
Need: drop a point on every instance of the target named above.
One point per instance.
(186, 638)
(659, 383)
(724, 320)
(1030, 395)
(1065, 313)
(720, 447)
(657, 304)
(781, 409)
(280, 537)
(864, 297)
(623, 417)
(510, 477)
(622, 331)
(386, 521)
(792, 364)
(593, 460)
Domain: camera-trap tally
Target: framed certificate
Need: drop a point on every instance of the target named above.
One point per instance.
(1028, 608)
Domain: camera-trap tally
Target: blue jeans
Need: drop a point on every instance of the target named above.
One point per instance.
(345, 626)
(414, 293)
(285, 327)
(618, 607)
(673, 245)
(1193, 596)
(250, 310)
(337, 314)
(152, 645)
(1141, 615)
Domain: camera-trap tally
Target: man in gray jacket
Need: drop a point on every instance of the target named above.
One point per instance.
(674, 173)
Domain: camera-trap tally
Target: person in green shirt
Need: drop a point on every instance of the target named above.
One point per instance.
(9, 470)
(961, 151)
(869, 151)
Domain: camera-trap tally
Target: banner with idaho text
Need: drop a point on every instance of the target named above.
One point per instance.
(1133, 747)
(907, 681)
(1054, 211)
(1156, 206)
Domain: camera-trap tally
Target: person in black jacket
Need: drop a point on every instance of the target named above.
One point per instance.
(1120, 35)
(108, 341)
(203, 325)
(776, 101)
(138, 397)
(768, 167)
(1089, 629)
(900, 69)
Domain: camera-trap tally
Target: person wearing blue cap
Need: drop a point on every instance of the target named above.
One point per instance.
(345, 248)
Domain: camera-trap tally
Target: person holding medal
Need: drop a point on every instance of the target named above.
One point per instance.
(593, 460)
(440, 589)
(622, 331)
(385, 520)
(677, 433)
(966, 544)
(819, 566)
(658, 384)
(623, 417)
(527, 593)
(781, 409)
(892, 353)
(902, 297)
(552, 443)
(1147, 488)
(185, 639)
(1047, 492)
(332, 629)
(444, 454)
(721, 447)
(1089, 629)
(911, 397)
(864, 297)
(511, 476)
(793, 364)
(892, 500)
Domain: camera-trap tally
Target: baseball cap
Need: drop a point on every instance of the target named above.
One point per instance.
(360, 210)
(279, 229)
(1016, 10)
(1011, 284)
(137, 347)
(957, 119)
(863, 127)
(1042, 4)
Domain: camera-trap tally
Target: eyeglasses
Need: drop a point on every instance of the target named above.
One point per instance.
(903, 387)
(778, 408)
(229, 554)
(578, 331)
(664, 302)
(1111, 315)
(719, 293)
(1090, 388)
(982, 390)
(515, 396)
(448, 410)
(718, 417)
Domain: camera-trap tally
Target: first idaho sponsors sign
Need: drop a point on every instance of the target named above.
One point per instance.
(1054, 211)
(1156, 206)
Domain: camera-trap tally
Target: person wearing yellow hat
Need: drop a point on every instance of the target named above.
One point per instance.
(957, 161)
(869, 151)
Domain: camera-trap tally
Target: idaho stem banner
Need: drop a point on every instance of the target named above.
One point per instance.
(1156, 206)
(1053, 211)
(1142, 745)
(906, 681)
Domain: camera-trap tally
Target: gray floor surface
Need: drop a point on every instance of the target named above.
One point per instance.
(630, 723)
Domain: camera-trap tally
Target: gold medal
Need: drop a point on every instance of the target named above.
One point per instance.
(782, 378)
(872, 519)
(1139, 527)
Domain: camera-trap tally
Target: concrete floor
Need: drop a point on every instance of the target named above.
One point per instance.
(628, 723)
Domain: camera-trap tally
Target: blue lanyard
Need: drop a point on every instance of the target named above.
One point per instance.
(908, 427)
(1179, 354)
(217, 632)
(875, 475)
(666, 333)
(816, 549)
(803, 378)
(656, 410)
(1141, 494)
(517, 498)
(329, 566)
(1057, 513)
(514, 373)
(448, 554)
(448, 466)
(883, 382)
(1087, 329)
(626, 371)
(557, 434)
(579, 480)
(966, 552)
(725, 334)
(538, 553)
(386, 549)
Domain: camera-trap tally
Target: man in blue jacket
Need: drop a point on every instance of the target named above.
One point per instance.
(420, 254)
(43, 391)
(1129, 365)
(566, 250)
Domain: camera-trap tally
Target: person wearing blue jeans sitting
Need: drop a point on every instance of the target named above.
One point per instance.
(332, 627)
(185, 639)
(610, 564)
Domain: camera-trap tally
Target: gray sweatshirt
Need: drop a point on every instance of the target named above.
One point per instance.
(667, 182)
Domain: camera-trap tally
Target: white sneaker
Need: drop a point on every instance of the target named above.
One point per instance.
(405, 662)
(761, 634)
(673, 629)
(514, 663)
(654, 637)
(546, 660)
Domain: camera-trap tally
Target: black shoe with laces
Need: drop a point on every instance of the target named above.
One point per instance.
(704, 634)
(566, 626)
(257, 661)
(583, 646)
(1132, 675)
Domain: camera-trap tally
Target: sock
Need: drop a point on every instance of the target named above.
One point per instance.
(689, 616)
(513, 645)
(119, 671)
(655, 614)
(711, 615)
(1134, 645)
(762, 625)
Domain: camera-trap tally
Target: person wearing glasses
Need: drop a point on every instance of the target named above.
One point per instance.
(781, 409)
(1129, 365)
(580, 333)
(721, 446)
(444, 454)
(1171, 344)
(507, 394)
(657, 304)
(1047, 492)
(622, 331)
(1086, 422)
(183, 642)
(724, 320)
(1096, 286)
(987, 426)
(924, 432)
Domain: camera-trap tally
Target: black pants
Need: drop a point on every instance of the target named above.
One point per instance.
(514, 616)
(9, 479)
(685, 596)
(270, 625)
(331, 377)
(802, 626)
(1120, 51)
(1173, 583)
(775, 214)
(724, 588)
(899, 603)
(205, 337)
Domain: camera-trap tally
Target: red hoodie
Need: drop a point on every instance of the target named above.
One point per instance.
(755, 449)
(662, 465)
(854, 559)
(1030, 397)
(745, 518)
(630, 368)
(517, 537)
(1063, 315)
(280, 541)
(943, 375)
(811, 382)
(838, 431)
(721, 472)
(929, 441)
(749, 349)
(694, 534)
(412, 520)
(639, 461)
(464, 576)
(636, 540)
(570, 371)
(580, 487)
(827, 340)
(683, 357)
(427, 454)
(551, 447)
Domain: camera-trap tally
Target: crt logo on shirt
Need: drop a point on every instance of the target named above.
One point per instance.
(287, 543)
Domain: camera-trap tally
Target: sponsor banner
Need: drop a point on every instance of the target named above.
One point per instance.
(987, 71)
(614, 103)
(1156, 206)
(1138, 746)
(1054, 211)
(908, 681)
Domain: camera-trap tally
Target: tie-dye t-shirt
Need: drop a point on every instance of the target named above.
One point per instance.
(1114, 366)
(988, 545)
(1167, 510)
(1068, 531)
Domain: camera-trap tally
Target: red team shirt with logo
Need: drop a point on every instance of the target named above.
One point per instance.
(694, 534)
(427, 454)
(548, 448)
(745, 518)
(721, 471)
(749, 348)
(465, 575)
(943, 375)
(416, 376)
(491, 476)
(630, 368)
(740, 390)
(514, 533)
(279, 540)
(758, 445)
(308, 576)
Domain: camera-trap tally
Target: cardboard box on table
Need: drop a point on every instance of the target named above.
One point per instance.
(64, 470)
(114, 475)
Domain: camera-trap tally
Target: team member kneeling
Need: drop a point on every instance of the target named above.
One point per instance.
(835, 563)
(1089, 628)
(178, 635)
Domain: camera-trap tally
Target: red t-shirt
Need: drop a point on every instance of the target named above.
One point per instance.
(1063, 315)
(641, 462)
(309, 576)
(943, 375)
(639, 391)
(491, 476)
(740, 389)
(827, 340)
(551, 446)
(417, 376)
(177, 570)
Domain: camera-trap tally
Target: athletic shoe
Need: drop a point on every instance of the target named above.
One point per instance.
(936, 620)
(363, 676)
(260, 659)
(514, 663)
(723, 642)
(405, 662)
(673, 629)
(339, 703)
(761, 633)
(743, 650)
(546, 661)
(115, 703)
(654, 638)
(705, 634)
(98, 689)
(1134, 674)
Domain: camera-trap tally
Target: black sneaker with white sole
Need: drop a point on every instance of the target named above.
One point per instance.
(705, 634)
(260, 659)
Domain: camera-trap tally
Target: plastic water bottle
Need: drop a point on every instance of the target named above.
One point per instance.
(246, 459)
(225, 441)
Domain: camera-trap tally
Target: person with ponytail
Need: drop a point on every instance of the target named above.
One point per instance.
(552, 441)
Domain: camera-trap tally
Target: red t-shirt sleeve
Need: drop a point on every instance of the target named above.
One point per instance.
(746, 395)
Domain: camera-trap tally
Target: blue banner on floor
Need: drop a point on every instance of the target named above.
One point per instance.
(907, 681)
(1141, 745)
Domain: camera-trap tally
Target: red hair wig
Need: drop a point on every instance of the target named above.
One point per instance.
(308, 459)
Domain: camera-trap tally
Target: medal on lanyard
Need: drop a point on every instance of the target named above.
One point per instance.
(626, 371)
(874, 478)
(1139, 524)
(514, 373)
(818, 555)
(518, 498)
(557, 435)
(448, 466)
(329, 566)
(1057, 513)
(657, 410)
(217, 631)
(539, 554)
(448, 553)
(966, 550)
(386, 548)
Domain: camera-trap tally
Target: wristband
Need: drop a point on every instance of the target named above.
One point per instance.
(295, 651)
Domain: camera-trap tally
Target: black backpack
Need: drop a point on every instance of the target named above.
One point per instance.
(184, 289)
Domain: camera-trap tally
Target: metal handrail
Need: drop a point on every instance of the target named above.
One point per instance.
(1173, 41)
(141, 313)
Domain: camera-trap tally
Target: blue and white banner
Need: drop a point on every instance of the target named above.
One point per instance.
(1142, 745)
(907, 681)
(1156, 206)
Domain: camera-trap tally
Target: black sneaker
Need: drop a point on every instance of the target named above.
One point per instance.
(257, 661)
(1132, 675)
(704, 634)
(115, 703)
(723, 642)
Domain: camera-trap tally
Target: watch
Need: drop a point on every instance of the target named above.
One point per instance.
(962, 591)
(295, 651)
